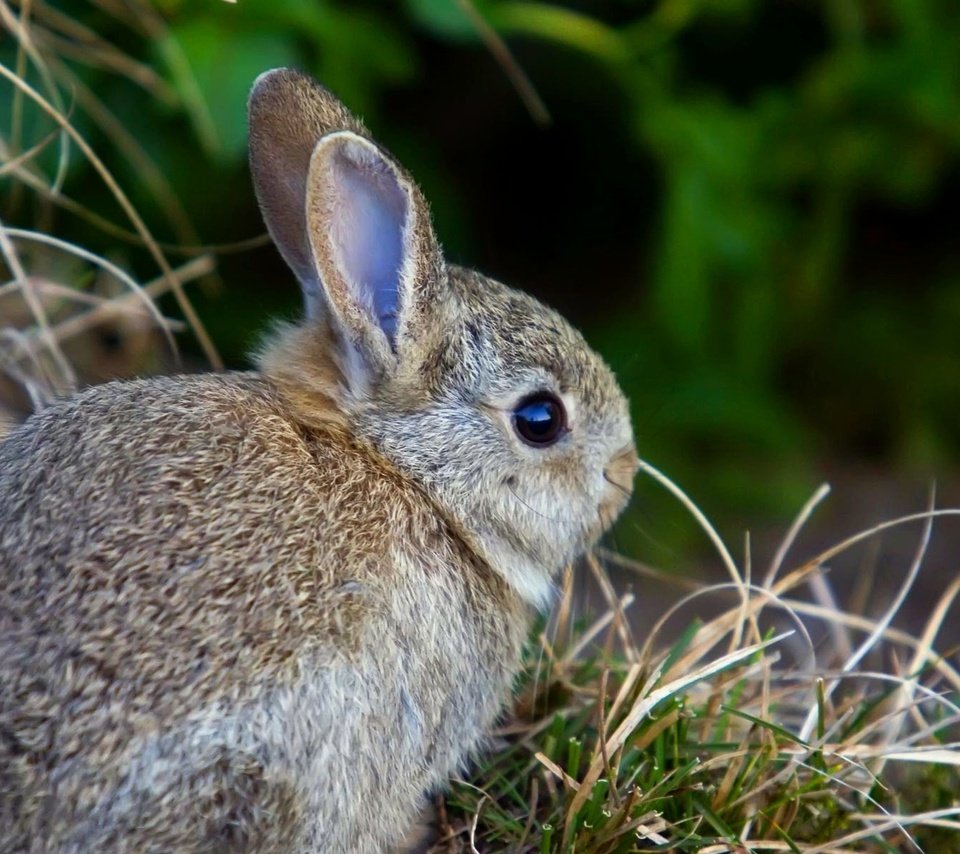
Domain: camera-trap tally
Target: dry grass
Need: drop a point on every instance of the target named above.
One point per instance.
(70, 316)
(837, 734)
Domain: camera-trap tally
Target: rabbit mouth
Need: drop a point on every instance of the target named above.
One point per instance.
(618, 476)
(620, 471)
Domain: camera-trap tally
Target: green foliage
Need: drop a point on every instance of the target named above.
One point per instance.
(214, 54)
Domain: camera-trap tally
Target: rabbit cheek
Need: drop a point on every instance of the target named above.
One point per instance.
(611, 505)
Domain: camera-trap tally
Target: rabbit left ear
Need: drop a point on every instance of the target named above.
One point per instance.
(374, 248)
(288, 113)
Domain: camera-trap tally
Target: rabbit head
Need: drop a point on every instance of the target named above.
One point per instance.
(492, 402)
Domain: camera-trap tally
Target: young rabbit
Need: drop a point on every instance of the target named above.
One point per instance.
(268, 611)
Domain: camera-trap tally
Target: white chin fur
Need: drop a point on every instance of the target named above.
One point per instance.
(531, 581)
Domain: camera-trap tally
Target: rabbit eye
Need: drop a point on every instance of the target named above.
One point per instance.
(540, 419)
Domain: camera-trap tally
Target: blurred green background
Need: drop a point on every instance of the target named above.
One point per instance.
(749, 206)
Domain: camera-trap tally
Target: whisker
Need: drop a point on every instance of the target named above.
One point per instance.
(541, 515)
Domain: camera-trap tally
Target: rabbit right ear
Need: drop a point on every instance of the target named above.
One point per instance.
(373, 244)
(288, 114)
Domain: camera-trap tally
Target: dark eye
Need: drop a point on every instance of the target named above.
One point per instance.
(540, 419)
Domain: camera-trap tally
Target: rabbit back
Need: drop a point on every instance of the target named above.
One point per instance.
(217, 647)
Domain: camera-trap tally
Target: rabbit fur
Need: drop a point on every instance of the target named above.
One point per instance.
(269, 611)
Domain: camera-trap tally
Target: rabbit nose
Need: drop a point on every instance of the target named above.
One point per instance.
(621, 469)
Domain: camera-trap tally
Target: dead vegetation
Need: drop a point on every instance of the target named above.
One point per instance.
(783, 723)
(70, 315)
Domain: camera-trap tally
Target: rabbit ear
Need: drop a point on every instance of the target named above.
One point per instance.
(288, 113)
(374, 248)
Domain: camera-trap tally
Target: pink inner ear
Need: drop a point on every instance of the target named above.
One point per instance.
(368, 216)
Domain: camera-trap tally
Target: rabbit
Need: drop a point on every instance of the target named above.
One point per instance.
(271, 610)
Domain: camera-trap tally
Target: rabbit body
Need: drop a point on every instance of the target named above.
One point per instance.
(179, 685)
(269, 611)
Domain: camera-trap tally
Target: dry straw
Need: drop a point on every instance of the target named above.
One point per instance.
(726, 739)
(46, 300)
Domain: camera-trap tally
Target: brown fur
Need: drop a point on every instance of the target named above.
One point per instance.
(269, 611)
(174, 604)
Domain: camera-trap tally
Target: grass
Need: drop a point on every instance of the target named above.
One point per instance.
(784, 723)
(72, 316)
(838, 734)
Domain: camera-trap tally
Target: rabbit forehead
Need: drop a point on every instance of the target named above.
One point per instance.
(514, 345)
